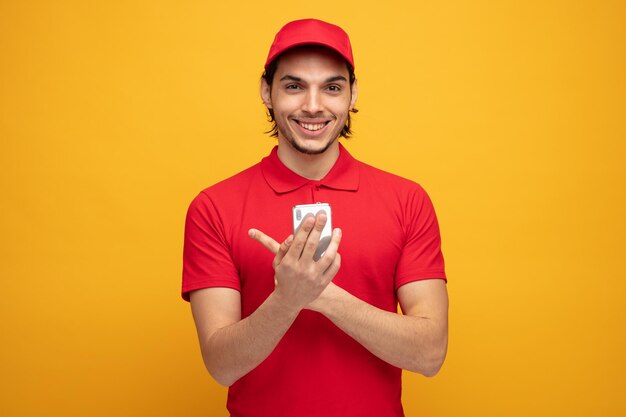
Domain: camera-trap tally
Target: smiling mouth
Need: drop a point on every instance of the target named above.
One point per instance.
(312, 126)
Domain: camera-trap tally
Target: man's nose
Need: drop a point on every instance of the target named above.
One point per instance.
(312, 102)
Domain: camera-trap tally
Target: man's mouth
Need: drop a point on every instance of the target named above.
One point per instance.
(312, 126)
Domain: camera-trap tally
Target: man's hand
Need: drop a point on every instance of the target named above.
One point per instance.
(416, 341)
(299, 279)
(232, 346)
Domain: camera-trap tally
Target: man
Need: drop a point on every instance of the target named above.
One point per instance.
(289, 335)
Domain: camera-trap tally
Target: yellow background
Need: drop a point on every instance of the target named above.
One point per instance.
(115, 114)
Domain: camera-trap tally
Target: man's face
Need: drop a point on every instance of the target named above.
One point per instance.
(310, 97)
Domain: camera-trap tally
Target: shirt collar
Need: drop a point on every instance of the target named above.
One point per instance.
(344, 175)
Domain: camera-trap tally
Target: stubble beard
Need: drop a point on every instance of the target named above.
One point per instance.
(298, 147)
(290, 137)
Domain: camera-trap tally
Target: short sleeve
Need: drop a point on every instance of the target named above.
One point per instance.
(421, 256)
(207, 260)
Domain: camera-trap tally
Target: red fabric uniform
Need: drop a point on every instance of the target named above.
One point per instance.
(390, 237)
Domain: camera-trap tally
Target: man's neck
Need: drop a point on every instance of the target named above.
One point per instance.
(313, 167)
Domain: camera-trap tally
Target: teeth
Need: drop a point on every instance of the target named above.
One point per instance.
(312, 126)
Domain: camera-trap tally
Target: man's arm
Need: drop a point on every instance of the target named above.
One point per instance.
(416, 341)
(232, 347)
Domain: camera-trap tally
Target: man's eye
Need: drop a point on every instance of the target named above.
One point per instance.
(334, 88)
(292, 86)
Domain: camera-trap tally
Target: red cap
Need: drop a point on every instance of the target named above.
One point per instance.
(311, 32)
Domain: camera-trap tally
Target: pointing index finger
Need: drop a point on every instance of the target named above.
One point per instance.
(264, 240)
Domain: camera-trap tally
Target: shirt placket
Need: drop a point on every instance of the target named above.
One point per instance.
(316, 188)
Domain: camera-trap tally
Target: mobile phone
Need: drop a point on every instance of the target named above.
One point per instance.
(303, 210)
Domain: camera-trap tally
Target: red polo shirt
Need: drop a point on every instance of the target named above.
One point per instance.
(390, 237)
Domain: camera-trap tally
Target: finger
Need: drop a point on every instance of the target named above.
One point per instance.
(282, 251)
(313, 239)
(300, 237)
(332, 270)
(304, 221)
(264, 240)
(331, 252)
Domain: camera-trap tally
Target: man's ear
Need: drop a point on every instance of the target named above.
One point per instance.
(354, 92)
(266, 93)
